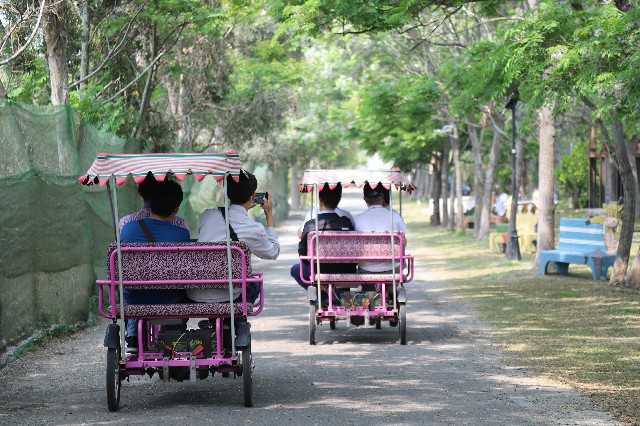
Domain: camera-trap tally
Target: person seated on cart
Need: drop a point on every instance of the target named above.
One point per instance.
(311, 214)
(164, 203)
(376, 218)
(262, 241)
(145, 190)
(328, 220)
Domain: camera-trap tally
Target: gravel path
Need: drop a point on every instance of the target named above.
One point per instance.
(448, 374)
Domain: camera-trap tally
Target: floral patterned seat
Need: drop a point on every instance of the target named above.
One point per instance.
(183, 310)
(178, 266)
(349, 247)
(181, 264)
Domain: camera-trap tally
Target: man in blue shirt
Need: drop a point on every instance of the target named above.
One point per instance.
(164, 203)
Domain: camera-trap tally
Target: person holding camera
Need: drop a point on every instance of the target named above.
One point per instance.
(262, 241)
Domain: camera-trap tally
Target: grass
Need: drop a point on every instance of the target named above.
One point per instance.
(571, 328)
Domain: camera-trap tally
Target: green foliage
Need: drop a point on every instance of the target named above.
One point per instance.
(115, 117)
(31, 85)
(395, 119)
(353, 16)
(573, 173)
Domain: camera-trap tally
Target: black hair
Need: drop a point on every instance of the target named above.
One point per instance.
(331, 197)
(147, 186)
(166, 198)
(240, 192)
(371, 194)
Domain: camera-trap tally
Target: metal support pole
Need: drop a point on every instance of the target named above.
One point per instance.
(227, 204)
(112, 187)
(514, 247)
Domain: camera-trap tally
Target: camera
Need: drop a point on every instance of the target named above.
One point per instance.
(260, 197)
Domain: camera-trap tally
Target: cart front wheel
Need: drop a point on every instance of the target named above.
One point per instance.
(402, 323)
(114, 380)
(312, 324)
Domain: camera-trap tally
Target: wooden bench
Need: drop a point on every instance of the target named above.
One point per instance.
(178, 266)
(580, 244)
(354, 247)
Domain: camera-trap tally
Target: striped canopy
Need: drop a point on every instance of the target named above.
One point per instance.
(346, 177)
(139, 165)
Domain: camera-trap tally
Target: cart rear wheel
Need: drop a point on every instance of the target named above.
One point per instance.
(114, 381)
(247, 383)
(332, 324)
(378, 323)
(312, 324)
(402, 323)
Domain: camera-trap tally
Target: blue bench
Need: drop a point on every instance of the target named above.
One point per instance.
(580, 244)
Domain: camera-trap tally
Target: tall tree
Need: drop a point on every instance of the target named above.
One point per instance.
(56, 33)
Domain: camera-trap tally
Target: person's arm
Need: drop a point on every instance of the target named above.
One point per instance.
(263, 242)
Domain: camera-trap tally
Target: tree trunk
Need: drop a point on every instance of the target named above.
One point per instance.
(478, 181)
(295, 186)
(55, 38)
(624, 5)
(632, 150)
(437, 192)
(619, 273)
(148, 89)
(485, 223)
(618, 150)
(84, 45)
(546, 183)
(459, 214)
(444, 176)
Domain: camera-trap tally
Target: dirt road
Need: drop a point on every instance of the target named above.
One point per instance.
(448, 374)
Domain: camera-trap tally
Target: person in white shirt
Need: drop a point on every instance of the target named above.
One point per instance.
(376, 218)
(262, 241)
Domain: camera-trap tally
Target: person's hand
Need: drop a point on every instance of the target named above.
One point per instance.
(267, 206)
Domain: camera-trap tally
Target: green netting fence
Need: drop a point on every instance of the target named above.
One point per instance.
(53, 232)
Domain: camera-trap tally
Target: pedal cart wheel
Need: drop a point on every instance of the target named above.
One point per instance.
(402, 323)
(312, 324)
(114, 380)
(247, 382)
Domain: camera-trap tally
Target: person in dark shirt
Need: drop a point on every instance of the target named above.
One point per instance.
(328, 220)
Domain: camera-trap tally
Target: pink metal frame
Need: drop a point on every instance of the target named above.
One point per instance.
(331, 311)
(135, 364)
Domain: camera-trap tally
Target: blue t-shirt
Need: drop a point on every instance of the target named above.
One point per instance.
(162, 232)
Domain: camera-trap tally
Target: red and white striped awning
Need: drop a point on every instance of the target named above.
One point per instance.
(346, 177)
(180, 165)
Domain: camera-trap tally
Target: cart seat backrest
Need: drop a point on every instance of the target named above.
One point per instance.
(209, 262)
(340, 247)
